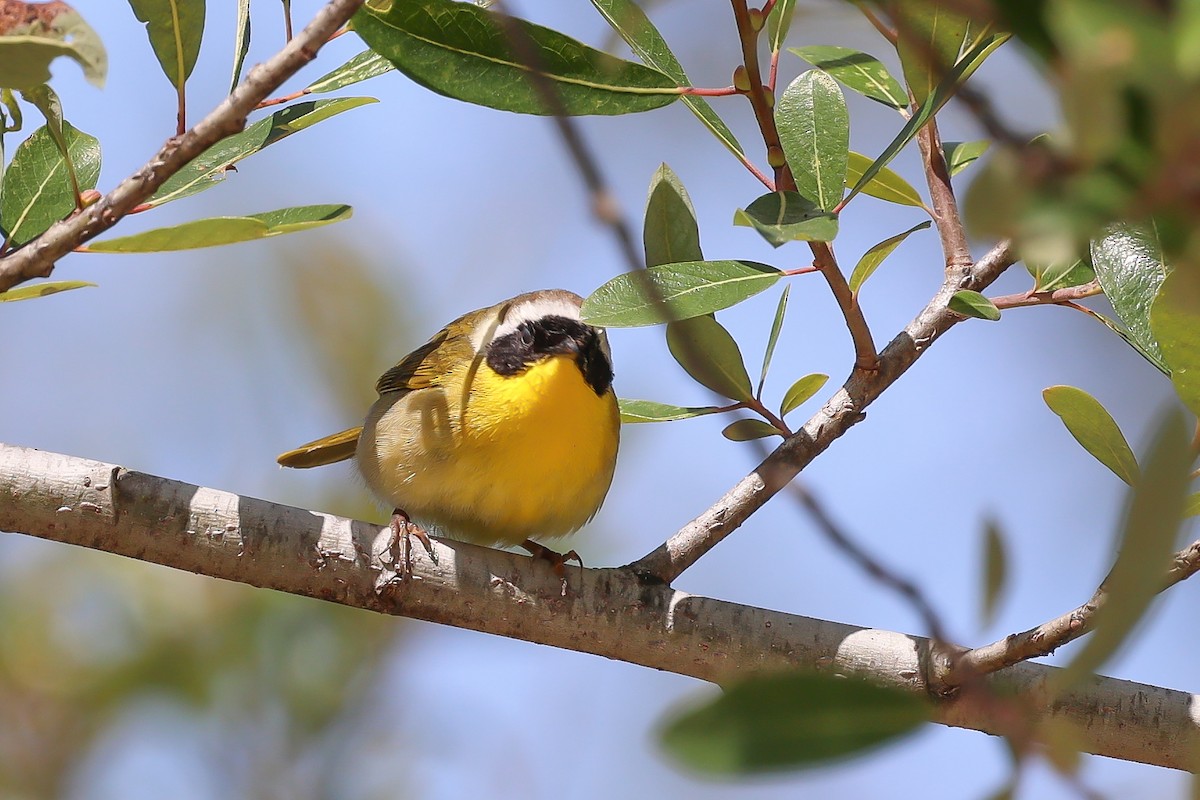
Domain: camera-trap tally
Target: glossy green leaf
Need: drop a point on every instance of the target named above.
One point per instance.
(960, 155)
(782, 217)
(175, 28)
(1147, 544)
(50, 30)
(871, 259)
(632, 24)
(814, 129)
(1048, 277)
(859, 71)
(709, 354)
(209, 168)
(670, 233)
(675, 291)
(747, 430)
(1094, 428)
(41, 290)
(801, 392)
(1130, 266)
(930, 40)
(995, 571)
(37, 185)
(241, 42)
(462, 51)
(788, 721)
(635, 411)
(973, 304)
(779, 22)
(773, 338)
(364, 66)
(224, 230)
(1175, 323)
(884, 185)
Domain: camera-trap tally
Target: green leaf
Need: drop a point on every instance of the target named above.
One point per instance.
(1094, 428)
(709, 354)
(884, 185)
(871, 259)
(209, 168)
(41, 290)
(995, 571)
(814, 129)
(1048, 277)
(37, 186)
(960, 155)
(940, 96)
(1129, 263)
(930, 40)
(42, 34)
(747, 430)
(675, 291)
(632, 24)
(241, 42)
(859, 71)
(224, 230)
(175, 28)
(782, 217)
(635, 411)
(364, 66)
(670, 233)
(1147, 544)
(1175, 323)
(973, 304)
(466, 52)
(779, 22)
(1191, 506)
(801, 392)
(788, 721)
(776, 327)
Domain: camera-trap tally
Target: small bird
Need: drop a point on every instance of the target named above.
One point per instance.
(501, 428)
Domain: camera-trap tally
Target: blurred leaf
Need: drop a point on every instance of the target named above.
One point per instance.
(670, 233)
(1094, 428)
(801, 391)
(995, 571)
(38, 33)
(871, 259)
(635, 411)
(1129, 264)
(814, 129)
(463, 51)
(1175, 325)
(208, 169)
(175, 28)
(1191, 508)
(930, 40)
(779, 22)
(41, 290)
(973, 304)
(859, 71)
(1063, 743)
(1147, 543)
(367, 64)
(789, 721)
(960, 155)
(241, 42)
(776, 327)
(628, 20)
(747, 430)
(675, 291)
(224, 230)
(782, 217)
(885, 185)
(1048, 277)
(710, 355)
(37, 185)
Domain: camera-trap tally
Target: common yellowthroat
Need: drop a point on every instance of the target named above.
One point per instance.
(501, 428)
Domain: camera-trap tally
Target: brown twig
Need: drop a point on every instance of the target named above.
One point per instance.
(946, 217)
(1054, 297)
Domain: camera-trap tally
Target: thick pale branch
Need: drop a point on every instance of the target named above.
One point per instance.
(608, 612)
(37, 259)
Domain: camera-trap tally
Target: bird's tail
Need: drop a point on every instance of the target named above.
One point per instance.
(327, 450)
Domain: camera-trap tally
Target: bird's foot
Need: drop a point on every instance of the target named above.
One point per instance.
(403, 529)
(557, 561)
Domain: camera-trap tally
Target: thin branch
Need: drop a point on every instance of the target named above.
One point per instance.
(37, 259)
(607, 612)
(885, 30)
(1053, 297)
(946, 215)
(847, 407)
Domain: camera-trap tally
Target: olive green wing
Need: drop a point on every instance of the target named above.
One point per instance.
(429, 364)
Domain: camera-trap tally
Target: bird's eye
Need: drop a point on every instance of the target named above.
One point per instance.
(526, 334)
